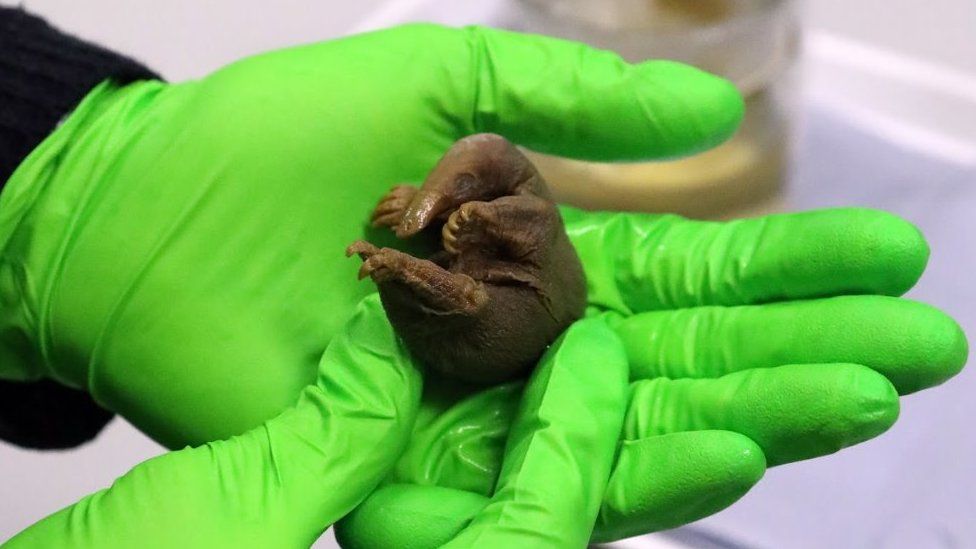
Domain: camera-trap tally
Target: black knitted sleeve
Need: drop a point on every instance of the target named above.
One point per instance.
(44, 73)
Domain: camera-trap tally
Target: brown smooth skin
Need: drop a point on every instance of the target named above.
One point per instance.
(507, 281)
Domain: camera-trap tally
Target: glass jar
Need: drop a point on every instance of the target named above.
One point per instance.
(753, 43)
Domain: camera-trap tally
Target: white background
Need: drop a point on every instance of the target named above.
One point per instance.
(185, 38)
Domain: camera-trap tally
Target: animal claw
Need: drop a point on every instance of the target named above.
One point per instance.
(449, 233)
(391, 220)
(368, 267)
(375, 268)
(362, 248)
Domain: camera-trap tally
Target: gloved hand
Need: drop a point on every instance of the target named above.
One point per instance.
(750, 343)
(281, 484)
(278, 485)
(177, 250)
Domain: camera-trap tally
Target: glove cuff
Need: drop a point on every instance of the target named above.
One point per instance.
(44, 73)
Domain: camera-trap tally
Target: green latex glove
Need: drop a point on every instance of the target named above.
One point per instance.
(278, 485)
(177, 250)
(739, 358)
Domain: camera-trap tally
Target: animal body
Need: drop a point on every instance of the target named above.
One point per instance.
(507, 281)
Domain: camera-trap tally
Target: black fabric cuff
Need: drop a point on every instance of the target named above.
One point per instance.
(44, 73)
(45, 415)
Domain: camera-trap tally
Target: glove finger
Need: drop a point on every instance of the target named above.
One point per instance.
(409, 516)
(277, 485)
(639, 262)
(912, 344)
(670, 480)
(569, 99)
(561, 446)
(657, 483)
(792, 412)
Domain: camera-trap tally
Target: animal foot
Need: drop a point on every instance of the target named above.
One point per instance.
(464, 226)
(389, 210)
(380, 264)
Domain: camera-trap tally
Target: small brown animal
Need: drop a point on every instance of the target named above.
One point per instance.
(508, 280)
